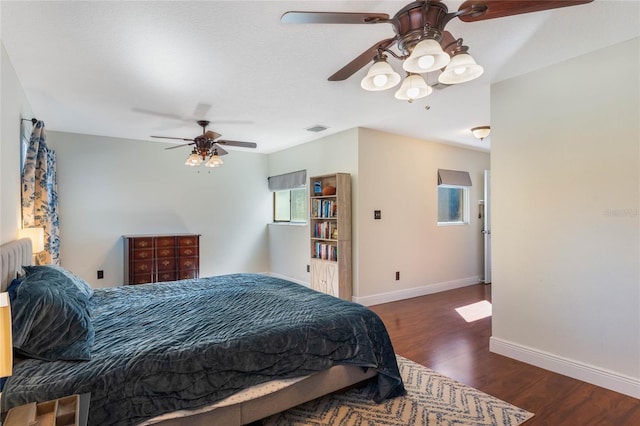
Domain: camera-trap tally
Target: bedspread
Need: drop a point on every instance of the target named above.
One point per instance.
(168, 346)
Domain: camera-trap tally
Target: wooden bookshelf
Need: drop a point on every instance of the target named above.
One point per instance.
(330, 234)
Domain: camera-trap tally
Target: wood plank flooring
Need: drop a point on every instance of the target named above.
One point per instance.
(430, 332)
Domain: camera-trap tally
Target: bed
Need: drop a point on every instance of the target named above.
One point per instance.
(223, 350)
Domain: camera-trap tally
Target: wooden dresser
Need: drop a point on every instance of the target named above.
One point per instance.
(155, 258)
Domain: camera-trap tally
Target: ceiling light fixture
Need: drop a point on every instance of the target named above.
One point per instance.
(215, 160)
(424, 56)
(481, 132)
(380, 76)
(461, 68)
(413, 87)
(200, 152)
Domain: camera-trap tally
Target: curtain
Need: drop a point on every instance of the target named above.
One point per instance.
(286, 181)
(40, 194)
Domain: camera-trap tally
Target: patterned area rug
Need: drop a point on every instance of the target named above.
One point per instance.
(432, 399)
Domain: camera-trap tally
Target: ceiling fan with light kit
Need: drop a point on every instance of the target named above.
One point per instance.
(422, 42)
(207, 145)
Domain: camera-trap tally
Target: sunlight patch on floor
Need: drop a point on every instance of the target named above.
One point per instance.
(475, 311)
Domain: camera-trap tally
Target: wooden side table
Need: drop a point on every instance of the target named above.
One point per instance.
(68, 411)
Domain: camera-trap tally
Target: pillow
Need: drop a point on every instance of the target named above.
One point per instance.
(13, 289)
(51, 317)
(82, 285)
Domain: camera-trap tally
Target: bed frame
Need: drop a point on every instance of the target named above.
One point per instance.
(16, 254)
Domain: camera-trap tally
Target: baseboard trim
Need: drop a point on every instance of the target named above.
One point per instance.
(393, 296)
(587, 373)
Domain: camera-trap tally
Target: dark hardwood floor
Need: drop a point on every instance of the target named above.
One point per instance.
(430, 332)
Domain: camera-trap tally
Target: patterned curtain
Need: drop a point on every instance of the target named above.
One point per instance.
(40, 194)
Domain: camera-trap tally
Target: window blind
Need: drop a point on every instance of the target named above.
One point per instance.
(286, 181)
(453, 177)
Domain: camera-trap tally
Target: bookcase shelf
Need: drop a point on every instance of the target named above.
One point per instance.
(330, 234)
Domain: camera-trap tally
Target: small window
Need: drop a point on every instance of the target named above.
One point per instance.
(453, 205)
(290, 205)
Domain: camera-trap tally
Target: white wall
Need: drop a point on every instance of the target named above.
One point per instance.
(289, 244)
(14, 106)
(110, 187)
(398, 175)
(566, 221)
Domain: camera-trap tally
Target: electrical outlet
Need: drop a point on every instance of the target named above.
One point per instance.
(308, 268)
(100, 274)
(377, 214)
(397, 275)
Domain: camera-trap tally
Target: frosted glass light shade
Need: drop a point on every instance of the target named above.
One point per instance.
(193, 160)
(6, 348)
(36, 235)
(214, 161)
(481, 132)
(413, 87)
(426, 56)
(461, 69)
(380, 77)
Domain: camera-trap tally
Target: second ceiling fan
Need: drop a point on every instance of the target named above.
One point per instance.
(423, 44)
(207, 145)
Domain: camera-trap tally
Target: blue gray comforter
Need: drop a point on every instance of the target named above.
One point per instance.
(168, 346)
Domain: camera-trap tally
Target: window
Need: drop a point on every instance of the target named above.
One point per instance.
(453, 205)
(290, 205)
(453, 197)
(289, 197)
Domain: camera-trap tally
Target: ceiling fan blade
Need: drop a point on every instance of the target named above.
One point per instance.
(363, 59)
(502, 8)
(201, 110)
(238, 143)
(295, 17)
(181, 145)
(210, 134)
(169, 137)
(156, 113)
(220, 150)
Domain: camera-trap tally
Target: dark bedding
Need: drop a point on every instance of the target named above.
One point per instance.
(168, 346)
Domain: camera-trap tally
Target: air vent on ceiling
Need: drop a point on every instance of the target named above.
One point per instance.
(317, 128)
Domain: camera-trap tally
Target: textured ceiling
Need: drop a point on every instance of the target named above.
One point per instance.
(135, 69)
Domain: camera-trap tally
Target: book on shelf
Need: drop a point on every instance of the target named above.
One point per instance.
(324, 208)
(325, 251)
(325, 230)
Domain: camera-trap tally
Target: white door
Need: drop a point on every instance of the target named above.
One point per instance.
(486, 227)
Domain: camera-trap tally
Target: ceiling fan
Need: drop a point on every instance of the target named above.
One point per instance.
(422, 41)
(207, 145)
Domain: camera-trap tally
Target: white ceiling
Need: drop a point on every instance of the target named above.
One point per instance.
(135, 69)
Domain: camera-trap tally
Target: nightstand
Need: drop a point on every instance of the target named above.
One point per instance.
(68, 411)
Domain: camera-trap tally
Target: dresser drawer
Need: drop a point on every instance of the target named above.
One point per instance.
(142, 267)
(185, 263)
(142, 254)
(166, 264)
(187, 251)
(142, 242)
(185, 241)
(166, 252)
(166, 276)
(184, 275)
(141, 279)
(163, 242)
